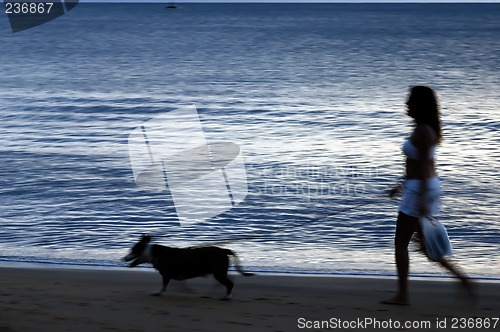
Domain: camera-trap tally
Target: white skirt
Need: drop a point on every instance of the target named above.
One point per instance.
(410, 200)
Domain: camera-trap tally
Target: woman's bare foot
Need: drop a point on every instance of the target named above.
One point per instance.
(469, 287)
(398, 300)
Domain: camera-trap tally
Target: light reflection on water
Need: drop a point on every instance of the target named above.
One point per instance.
(320, 133)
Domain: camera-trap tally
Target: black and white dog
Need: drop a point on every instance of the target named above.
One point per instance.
(184, 263)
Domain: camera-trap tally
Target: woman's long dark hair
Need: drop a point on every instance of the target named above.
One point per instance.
(423, 107)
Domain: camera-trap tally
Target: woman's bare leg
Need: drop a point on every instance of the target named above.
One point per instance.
(466, 283)
(406, 226)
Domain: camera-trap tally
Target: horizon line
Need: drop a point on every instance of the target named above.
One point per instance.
(297, 1)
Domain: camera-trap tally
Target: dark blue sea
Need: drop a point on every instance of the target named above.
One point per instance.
(312, 94)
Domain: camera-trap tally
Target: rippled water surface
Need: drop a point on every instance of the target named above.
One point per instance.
(312, 93)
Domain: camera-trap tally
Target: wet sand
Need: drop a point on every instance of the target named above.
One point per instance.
(62, 299)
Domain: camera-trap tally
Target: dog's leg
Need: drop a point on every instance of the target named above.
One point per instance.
(223, 279)
(166, 280)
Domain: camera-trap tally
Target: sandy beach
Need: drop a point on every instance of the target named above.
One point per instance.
(67, 299)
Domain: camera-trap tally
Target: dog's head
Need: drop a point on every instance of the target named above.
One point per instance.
(140, 252)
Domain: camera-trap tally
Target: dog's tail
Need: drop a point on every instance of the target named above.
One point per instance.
(237, 263)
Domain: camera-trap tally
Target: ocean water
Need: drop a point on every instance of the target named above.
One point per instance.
(312, 93)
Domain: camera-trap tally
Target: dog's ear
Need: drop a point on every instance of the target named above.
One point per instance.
(146, 238)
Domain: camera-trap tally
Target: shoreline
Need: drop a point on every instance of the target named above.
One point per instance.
(33, 299)
(41, 264)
